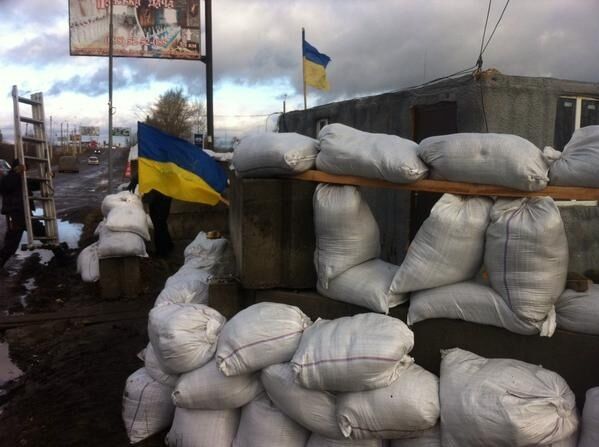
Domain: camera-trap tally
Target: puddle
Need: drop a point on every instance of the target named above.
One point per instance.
(67, 232)
(8, 370)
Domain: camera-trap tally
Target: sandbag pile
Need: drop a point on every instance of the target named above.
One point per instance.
(503, 402)
(120, 234)
(347, 248)
(520, 243)
(273, 154)
(579, 311)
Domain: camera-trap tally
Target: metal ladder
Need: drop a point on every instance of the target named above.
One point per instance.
(32, 151)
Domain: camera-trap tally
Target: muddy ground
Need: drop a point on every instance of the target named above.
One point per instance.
(74, 369)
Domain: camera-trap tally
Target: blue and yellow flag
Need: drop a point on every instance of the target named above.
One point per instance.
(315, 64)
(177, 168)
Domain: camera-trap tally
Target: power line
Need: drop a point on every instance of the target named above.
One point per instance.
(496, 25)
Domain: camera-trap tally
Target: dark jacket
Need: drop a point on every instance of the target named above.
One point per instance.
(12, 196)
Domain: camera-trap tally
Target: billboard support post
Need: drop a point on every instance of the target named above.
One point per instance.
(209, 143)
(110, 48)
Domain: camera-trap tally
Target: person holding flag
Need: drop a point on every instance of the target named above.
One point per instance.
(172, 168)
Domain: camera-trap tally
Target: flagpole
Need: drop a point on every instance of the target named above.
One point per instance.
(110, 109)
(304, 67)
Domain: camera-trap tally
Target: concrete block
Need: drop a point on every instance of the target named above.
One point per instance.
(226, 297)
(120, 277)
(272, 232)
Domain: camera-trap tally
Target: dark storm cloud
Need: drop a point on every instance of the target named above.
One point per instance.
(44, 49)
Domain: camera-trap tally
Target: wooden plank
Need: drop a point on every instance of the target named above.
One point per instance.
(469, 189)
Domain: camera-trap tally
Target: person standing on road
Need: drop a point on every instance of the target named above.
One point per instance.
(11, 190)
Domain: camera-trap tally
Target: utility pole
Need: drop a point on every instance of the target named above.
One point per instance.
(110, 50)
(208, 60)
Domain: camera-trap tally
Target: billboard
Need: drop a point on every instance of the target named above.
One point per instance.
(120, 131)
(164, 29)
(89, 131)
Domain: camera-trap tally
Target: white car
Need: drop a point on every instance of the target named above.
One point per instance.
(93, 160)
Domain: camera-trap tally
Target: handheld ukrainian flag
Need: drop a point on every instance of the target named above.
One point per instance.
(315, 64)
(177, 168)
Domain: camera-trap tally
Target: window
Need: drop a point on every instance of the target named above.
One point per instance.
(573, 112)
(320, 124)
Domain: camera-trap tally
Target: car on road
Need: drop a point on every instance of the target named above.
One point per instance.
(93, 160)
(4, 167)
(97, 151)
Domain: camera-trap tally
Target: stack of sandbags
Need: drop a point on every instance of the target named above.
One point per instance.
(351, 378)
(209, 397)
(273, 154)
(348, 151)
(124, 228)
(189, 285)
(525, 251)
(347, 248)
(579, 162)
(503, 402)
(579, 311)
(487, 158)
(426, 438)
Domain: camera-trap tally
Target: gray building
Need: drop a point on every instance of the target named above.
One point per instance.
(543, 110)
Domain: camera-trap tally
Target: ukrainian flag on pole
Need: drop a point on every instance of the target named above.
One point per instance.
(177, 168)
(315, 64)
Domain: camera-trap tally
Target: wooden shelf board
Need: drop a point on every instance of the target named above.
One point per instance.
(441, 186)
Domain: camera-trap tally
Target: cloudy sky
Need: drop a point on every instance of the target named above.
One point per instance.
(375, 46)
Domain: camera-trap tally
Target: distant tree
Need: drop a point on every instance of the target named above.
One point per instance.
(176, 114)
(1, 137)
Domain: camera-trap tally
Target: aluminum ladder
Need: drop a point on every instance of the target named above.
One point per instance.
(32, 151)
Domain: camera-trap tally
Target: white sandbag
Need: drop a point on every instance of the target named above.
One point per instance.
(314, 410)
(258, 336)
(502, 402)
(270, 154)
(203, 428)
(487, 158)
(184, 335)
(408, 405)
(362, 352)
(88, 263)
(188, 285)
(123, 198)
(147, 406)
(207, 388)
(526, 255)
(213, 255)
(366, 285)
(579, 163)
(427, 438)
(157, 371)
(589, 434)
(579, 311)
(119, 244)
(455, 230)
(476, 303)
(128, 218)
(346, 232)
(319, 441)
(263, 424)
(348, 151)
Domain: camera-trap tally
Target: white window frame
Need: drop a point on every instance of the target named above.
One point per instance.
(320, 123)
